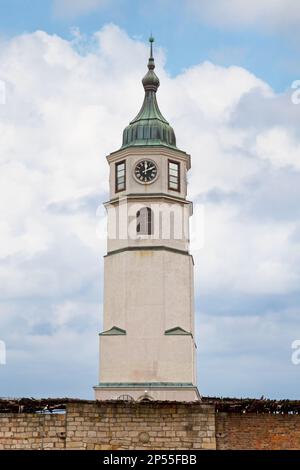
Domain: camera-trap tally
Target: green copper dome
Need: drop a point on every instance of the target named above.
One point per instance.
(149, 127)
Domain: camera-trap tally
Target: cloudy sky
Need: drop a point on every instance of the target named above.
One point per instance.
(70, 74)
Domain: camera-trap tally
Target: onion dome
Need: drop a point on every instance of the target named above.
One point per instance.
(149, 127)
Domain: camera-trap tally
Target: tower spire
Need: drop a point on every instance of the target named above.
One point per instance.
(149, 127)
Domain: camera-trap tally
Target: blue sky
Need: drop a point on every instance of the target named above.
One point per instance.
(71, 71)
(185, 34)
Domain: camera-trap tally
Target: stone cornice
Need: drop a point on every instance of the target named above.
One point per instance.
(149, 248)
(148, 151)
(143, 196)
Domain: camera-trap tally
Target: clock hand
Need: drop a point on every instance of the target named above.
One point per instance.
(150, 168)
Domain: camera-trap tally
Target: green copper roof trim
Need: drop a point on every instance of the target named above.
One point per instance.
(177, 331)
(149, 127)
(114, 331)
(144, 384)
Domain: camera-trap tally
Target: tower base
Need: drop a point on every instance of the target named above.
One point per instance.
(147, 392)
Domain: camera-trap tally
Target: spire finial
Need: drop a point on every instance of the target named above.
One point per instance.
(151, 40)
(151, 64)
(150, 80)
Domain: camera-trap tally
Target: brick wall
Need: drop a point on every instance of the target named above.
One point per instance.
(112, 426)
(257, 431)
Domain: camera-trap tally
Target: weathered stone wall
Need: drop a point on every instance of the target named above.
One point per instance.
(112, 426)
(251, 431)
(32, 431)
(151, 425)
(141, 426)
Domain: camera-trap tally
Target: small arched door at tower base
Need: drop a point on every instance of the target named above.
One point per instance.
(145, 398)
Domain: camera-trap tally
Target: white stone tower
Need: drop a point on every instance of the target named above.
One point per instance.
(147, 348)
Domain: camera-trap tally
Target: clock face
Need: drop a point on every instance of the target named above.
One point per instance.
(145, 171)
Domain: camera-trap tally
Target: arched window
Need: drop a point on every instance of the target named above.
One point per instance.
(144, 221)
(125, 398)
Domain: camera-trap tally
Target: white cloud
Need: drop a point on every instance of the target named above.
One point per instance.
(72, 8)
(246, 256)
(266, 14)
(279, 147)
(64, 112)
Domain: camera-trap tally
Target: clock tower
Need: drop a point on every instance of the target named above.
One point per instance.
(147, 346)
